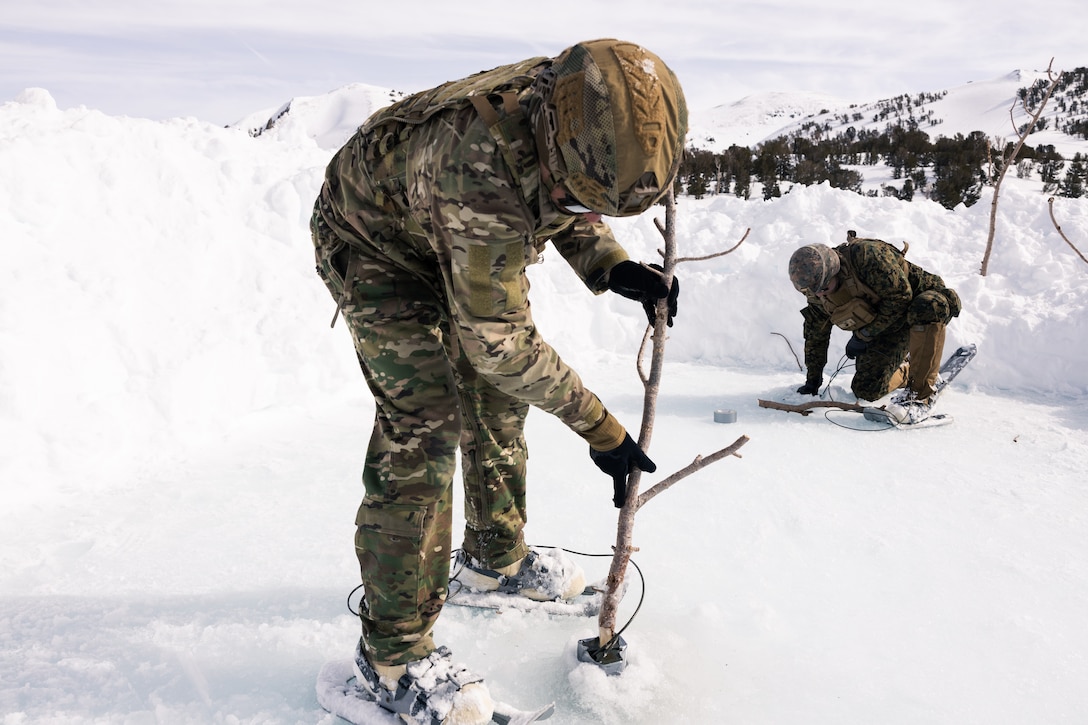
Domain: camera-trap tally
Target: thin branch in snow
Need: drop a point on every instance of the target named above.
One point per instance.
(1057, 226)
(806, 408)
(790, 346)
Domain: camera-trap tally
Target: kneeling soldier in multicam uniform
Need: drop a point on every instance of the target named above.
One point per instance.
(892, 308)
(423, 230)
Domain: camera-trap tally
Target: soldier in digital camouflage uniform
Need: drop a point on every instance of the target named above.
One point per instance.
(891, 306)
(426, 222)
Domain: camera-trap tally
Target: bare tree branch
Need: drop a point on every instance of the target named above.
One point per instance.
(668, 280)
(642, 374)
(699, 463)
(1007, 161)
(797, 359)
(621, 556)
(717, 254)
(806, 408)
(621, 553)
(732, 249)
(660, 228)
(1050, 202)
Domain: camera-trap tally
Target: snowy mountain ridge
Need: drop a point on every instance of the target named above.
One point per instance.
(976, 106)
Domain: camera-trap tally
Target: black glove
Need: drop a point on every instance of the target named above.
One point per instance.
(855, 346)
(811, 388)
(636, 282)
(618, 462)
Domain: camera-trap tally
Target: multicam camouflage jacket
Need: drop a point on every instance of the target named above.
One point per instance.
(877, 285)
(458, 199)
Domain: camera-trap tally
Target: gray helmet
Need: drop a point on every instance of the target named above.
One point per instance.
(812, 267)
(613, 118)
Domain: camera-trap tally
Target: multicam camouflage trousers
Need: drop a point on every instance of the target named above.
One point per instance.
(428, 403)
(877, 365)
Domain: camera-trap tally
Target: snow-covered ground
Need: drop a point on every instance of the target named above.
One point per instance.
(181, 437)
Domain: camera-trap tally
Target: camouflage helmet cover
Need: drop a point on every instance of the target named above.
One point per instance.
(812, 267)
(614, 120)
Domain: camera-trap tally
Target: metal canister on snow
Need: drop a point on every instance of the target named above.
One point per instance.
(725, 416)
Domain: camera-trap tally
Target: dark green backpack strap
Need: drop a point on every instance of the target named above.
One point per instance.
(511, 130)
(488, 112)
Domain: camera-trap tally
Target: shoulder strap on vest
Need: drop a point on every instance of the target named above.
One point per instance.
(850, 281)
(509, 126)
(417, 108)
(853, 238)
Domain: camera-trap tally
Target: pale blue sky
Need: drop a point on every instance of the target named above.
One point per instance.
(219, 60)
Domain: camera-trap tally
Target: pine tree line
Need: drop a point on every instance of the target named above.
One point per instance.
(950, 171)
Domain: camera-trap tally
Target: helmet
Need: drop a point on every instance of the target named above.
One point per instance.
(812, 267)
(613, 119)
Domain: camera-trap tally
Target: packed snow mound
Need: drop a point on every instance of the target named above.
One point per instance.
(328, 119)
(173, 289)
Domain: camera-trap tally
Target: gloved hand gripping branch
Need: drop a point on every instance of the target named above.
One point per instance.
(619, 462)
(640, 283)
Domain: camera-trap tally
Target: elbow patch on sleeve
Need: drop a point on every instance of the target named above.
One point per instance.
(496, 278)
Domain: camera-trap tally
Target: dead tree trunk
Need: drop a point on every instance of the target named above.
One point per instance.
(1007, 161)
(607, 635)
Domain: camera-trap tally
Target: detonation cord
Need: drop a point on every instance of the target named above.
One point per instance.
(845, 362)
(641, 596)
(615, 637)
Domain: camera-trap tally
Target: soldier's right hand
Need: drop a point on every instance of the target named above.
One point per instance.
(810, 388)
(641, 283)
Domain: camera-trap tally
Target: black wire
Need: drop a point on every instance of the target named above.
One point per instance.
(350, 595)
(641, 596)
(827, 415)
(844, 362)
(615, 638)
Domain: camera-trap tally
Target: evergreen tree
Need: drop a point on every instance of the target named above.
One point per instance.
(773, 164)
(1073, 185)
(1050, 167)
(740, 158)
(908, 190)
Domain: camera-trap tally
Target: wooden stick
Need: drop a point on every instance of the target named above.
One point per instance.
(806, 408)
(1057, 226)
(699, 463)
(651, 381)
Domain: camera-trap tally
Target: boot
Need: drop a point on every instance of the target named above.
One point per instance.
(430, 690)
(913, 403)
(926, 347)
(544, 575)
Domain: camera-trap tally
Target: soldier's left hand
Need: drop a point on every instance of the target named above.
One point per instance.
(641, 283)
(855, 346)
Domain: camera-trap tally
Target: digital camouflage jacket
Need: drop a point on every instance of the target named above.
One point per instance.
(875, 276)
